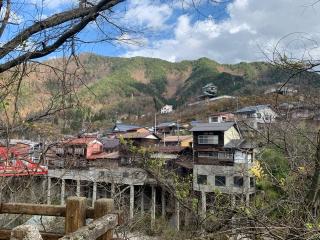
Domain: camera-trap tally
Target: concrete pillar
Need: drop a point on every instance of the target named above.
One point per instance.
(142, 202)
(112, 190)
(203, 204)
(233, 200)
(94, 193)
(63, 190)
(153, 205)
(177, 215)
(131, 207)
(163, 203)
(49, 191)
(247, 199)
(78, 188)
(44, 186)
(186, 218)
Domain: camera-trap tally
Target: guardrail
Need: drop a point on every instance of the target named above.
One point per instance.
(75, 212)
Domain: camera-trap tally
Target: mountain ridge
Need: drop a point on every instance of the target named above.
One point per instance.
(115, 87)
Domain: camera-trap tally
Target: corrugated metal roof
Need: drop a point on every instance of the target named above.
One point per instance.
(110, 143)
(121, 127)
(138, 135)
(223, 126)
(252, 108)
(168, 124)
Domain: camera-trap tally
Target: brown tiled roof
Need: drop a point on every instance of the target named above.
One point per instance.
(177, 138)
(169, 149)
(104, 155)
(79, 141)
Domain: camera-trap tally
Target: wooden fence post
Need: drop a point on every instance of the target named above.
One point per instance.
(75, 213)
(102, 207)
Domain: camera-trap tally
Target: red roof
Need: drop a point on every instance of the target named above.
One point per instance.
(18, 163)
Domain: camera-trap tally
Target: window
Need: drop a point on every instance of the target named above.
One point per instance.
(202, 179)
(258, 115)
(220, 180)
(208, 139)
(214, 119)
(208, 154)
(79, 151)
(238, 181)
(252, 182)
(59, 150)
(70, 150)
(225, 155)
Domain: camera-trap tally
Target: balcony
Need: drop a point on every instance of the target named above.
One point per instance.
(214, 158)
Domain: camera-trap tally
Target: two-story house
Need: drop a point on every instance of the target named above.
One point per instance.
(256, 116)
(222, 161)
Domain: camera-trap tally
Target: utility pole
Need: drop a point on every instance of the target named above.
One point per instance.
(155, 123)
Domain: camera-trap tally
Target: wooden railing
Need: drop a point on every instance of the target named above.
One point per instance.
(75, 212)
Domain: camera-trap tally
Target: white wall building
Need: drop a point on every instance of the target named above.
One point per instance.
(166, 109)
(256, 115)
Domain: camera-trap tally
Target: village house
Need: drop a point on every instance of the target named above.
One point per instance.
(123, 128)
(222, 161)
(141, 139)
(256, 116)
(221, 117)
(177, 140)
(168, 128)
(282, 90)
(75, 152)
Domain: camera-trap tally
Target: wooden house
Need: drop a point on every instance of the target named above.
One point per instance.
(222, 160)
(141, 139)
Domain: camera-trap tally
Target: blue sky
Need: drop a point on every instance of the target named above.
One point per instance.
(239, 30)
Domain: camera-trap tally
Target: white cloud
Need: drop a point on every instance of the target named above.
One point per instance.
(253, 27)
(148, 14)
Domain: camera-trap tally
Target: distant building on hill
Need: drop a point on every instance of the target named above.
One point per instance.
(209, 91)
(256, 116)
(168, 128)
(282, 90)
(221, 117)
(166, 109)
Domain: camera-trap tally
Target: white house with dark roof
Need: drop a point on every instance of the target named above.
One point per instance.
(256, 116)
(166, 109)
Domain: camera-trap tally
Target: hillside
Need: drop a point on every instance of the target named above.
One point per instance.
(108, 88)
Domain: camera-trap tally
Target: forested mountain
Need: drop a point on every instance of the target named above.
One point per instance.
(112, 87)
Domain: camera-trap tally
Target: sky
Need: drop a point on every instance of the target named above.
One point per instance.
(229, 32)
